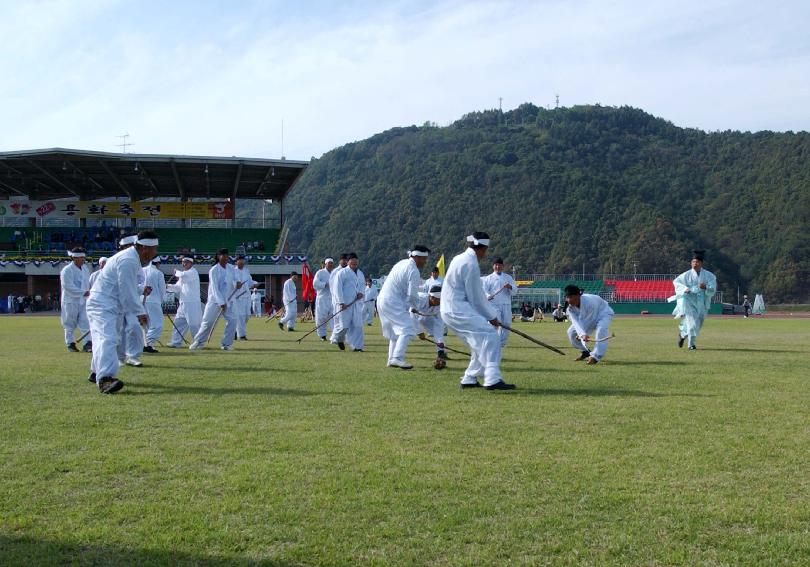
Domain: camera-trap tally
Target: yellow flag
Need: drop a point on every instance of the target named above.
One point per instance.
(440, 264)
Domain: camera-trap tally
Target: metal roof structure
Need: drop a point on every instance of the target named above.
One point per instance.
(58, 173)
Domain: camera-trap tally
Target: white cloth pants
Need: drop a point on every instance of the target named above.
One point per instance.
(242, 312)
(290, 313)
(74, 316)
(600, 331)
(504, 312)
(105, 332)
(349, 327)
(256, 307)
(155, 312)
(485, 349)
(368, 312)
(209, 319)
(188, 318)
(323, 310)
(690, 326)
(132, 340)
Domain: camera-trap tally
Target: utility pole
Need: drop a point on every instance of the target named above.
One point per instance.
(556, 101)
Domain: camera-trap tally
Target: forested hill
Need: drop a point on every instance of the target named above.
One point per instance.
(556, 189)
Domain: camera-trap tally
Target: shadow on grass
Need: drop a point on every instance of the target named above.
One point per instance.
(152, 389)
(25, 551)
(612, 362)
(599, 392)
(776, 350)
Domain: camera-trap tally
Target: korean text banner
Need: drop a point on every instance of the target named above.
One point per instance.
(115, 210)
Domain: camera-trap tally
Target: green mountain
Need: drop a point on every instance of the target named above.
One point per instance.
(611, 189)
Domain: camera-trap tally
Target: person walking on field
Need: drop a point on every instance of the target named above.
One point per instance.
(694, 290)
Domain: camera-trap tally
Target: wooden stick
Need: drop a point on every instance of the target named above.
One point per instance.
(532, 339)
(424, 338)
(325, 322)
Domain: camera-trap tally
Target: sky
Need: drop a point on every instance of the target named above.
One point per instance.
(221, 77)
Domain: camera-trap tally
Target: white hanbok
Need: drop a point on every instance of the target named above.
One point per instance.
(591, 318)
(399, 294)
(256, 303)
(113, 295)
(370, 295)
(154, 303)
(75, 283)
(349, 322)
(428, 319)
(189, 312)
(289, 298)
(500, 298)
(467, 312)
(323, 300)
(241, 301)
(221, 287)
(693, 303)
(335, 304)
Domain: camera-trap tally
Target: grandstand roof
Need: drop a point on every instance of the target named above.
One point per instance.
(57, 173)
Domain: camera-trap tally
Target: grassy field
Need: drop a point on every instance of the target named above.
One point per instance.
(286, 454)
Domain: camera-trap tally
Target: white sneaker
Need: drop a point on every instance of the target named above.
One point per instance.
(133, 362)
(397, 363)
(227, 347)
(195, 346)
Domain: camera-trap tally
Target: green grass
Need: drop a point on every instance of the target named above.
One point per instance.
(279, 453)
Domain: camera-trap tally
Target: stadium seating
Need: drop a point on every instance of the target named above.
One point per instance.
(102, 241)
(642, 290)
(587, 286)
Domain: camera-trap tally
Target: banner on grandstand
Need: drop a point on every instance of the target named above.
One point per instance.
(115, 210)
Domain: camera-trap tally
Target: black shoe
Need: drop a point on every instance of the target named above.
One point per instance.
(441, 354)
(323, 339)
(341, 345)
(150, 349)
(88, 347)
(357, 350)
(72, 347)
(281, 325)
(243, 338)
(92, 377)
(681, 341)
(500, 386)
(109, 385)
(477, 384)
(582, 356)
(693, 347)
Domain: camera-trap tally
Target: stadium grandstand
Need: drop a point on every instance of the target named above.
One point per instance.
(54, 199)
(630, 294)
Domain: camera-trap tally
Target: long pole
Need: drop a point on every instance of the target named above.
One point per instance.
(532, 339)
(329, 319)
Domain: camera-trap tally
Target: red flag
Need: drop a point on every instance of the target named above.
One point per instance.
(308, 293)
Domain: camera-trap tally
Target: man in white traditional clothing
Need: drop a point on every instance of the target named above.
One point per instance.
(694, 290)
(222, 286)
(427, 318)
(467, 312)
(289, 298)
(343, 262)
(131, 345)
(156, 282)
(369, 301)
(590, 317)
(499, 287)
(115, 295)
(434, 280)
(323, 297)
(348, 294)
(256, 301)
(75, 281)
(189, 312)
(398, 296)
(242, 298)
